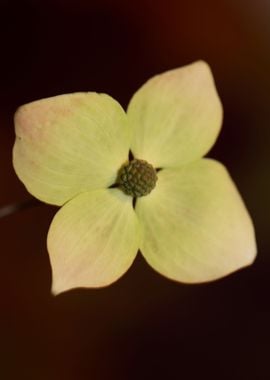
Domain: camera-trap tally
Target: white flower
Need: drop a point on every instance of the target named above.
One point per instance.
(192, 227)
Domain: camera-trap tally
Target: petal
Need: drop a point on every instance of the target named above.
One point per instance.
(68, 144)
(93, 240)
(176, 116)
(195, 225)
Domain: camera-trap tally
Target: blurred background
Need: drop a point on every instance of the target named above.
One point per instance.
(144, 326)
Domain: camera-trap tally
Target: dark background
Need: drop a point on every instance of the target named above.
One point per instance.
(143, 326)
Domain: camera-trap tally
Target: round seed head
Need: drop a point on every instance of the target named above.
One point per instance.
(137, 178)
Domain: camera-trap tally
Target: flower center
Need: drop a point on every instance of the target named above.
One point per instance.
(137, 178)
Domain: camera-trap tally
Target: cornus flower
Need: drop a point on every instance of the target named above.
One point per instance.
(188, 221)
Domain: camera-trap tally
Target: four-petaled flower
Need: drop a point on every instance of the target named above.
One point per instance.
(190, 222)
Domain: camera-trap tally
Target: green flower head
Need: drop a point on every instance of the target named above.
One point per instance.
(189, 221)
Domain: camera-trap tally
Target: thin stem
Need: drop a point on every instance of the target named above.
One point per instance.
(16, 207)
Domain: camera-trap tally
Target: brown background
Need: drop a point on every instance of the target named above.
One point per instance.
(144, 326)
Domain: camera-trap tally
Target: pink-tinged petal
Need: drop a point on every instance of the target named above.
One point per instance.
(68, 144)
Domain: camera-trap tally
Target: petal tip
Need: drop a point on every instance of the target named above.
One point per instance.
(55, 291)
(202, 63)
(252, 255)
(59, 288)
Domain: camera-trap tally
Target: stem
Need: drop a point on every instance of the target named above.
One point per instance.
(16, 207)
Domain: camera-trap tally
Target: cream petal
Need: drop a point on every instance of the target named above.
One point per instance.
(176, 116)
(68, 144)
(93, 240)
(195, 225)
